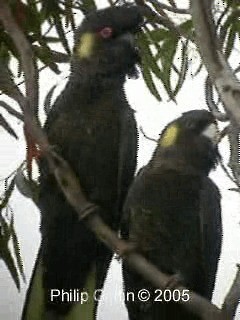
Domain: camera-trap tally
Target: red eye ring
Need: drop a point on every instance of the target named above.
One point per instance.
(106, 32)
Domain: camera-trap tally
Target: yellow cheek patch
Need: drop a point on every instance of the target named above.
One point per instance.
(170, 136)
(85, 47)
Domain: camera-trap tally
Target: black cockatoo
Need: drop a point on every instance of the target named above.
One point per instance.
(172, 215)
(92, 126)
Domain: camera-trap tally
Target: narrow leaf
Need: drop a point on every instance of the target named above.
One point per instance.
(44, 54)
(87, 5)
(157, 35)
(230, 41)
(48, 100)
(60, 57)
(27, 188)
(11, 111)
(51, 39)
(147, 76)
(61, 33)
(183, 69)
(69, 16)
(166, 55)
(7, 257)
(5, 253)
(17, 249)
(148, 56)
(7, 194)
(7, 127)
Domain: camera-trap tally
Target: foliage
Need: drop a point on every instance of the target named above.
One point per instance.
(166, 44)
(8, 235)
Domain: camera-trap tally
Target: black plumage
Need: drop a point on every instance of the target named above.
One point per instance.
(92, 126)
(173, 215)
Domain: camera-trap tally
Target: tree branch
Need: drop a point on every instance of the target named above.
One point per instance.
(147, 137)
(228, 88)
(220, 72)
(234, 142)
(26, 54)
(71, 188)
(232, 299)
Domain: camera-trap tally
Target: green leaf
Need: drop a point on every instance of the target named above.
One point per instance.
(44, 54)
(69, 16)
(28, 188)
(172, 3)
(86, 6)
(5, 125)
(7, 194)
(149, 65)
(147, 76)
(27, 16)
(167, 54)
(187, 27)
(147, 55)
(4, 50)
(50, 39)
(230, 41)
(7, 84)
(158, 35)
(50, 9)
(7, 257)
(228, 31)
(11, 110)
(5, 253)
(4, 228)
(61, 33)
(48, 100)
(60, 57)
(17, 249)
(166, 44)
(183, 69)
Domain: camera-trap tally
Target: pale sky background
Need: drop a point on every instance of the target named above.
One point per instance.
(152, 116)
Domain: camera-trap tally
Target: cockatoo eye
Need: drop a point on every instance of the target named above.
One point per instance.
(106, 32)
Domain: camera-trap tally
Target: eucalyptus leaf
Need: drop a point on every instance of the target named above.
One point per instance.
(16, 248)
(5, 125)
(48, 100)
(148, 78)
(5, 253)
(44, 54)
(27, 188)
(7, 257)
(230, 41)
(7, 194)
(183, 69)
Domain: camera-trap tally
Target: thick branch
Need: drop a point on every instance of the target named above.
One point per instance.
(26, 54)
(234, 164)
(219, 71)
(225, 81)
(72, 190)
(232, 299)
